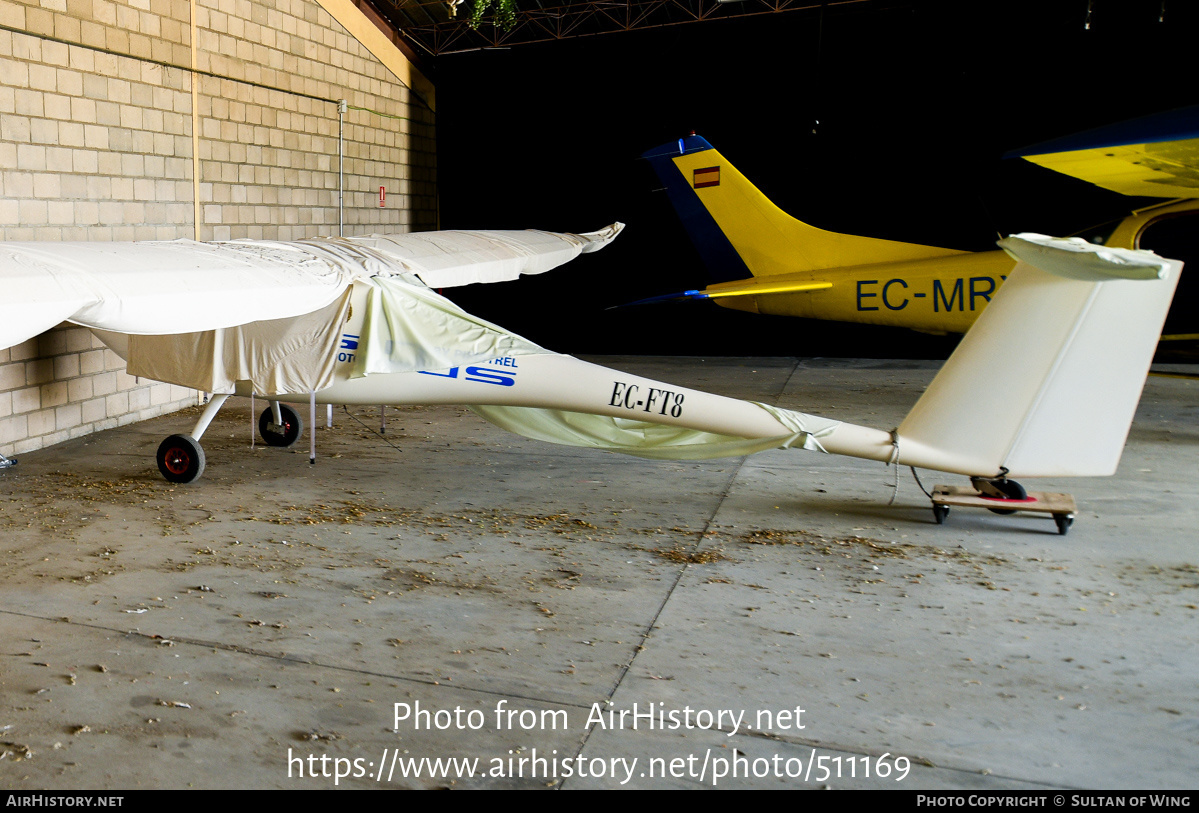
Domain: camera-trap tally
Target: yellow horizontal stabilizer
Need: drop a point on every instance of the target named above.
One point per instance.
(758, 286)
(1164, 169)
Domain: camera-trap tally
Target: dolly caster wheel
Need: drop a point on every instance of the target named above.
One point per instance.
(1001, 488)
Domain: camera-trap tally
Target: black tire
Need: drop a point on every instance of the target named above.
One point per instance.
(1011, 489)
(1064, 521)
(1006, 489)
(180, 459)
(940, 512)
(293, 427)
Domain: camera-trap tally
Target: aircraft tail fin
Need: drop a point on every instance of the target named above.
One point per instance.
(1047, 380)
(740, 233)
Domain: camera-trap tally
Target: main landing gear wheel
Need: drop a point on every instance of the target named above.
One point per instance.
(180, 459)
(1002, 488)
(273, 434)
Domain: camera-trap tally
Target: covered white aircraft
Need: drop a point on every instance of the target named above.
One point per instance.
(1044, 384)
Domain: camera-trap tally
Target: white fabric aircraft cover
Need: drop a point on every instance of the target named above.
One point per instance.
(183, 286)
(408, 328)
(444, 259)
(653, 440)
(158, 287)
(279, 356)
(1075, 258)
(207, 315)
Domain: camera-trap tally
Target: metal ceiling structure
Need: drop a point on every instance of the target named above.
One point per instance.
(437, 27)
(430, 28)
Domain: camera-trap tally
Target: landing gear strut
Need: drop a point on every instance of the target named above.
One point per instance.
(181, 458)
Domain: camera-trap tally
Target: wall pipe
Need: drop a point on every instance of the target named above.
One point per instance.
(342, 106)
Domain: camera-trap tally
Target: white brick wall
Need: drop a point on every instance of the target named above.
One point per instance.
(96, 135)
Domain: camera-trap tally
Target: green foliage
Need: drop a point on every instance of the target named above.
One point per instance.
(504, 15)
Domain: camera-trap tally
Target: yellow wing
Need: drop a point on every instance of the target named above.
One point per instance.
(1154, 156)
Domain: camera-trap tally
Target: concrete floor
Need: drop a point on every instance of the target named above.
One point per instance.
(234, 632)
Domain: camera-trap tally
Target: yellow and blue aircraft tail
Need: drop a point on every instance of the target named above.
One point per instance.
(740, 233)
(764, 260)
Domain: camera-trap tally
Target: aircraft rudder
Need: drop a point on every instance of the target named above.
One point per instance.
(722, 260)
(1047, 380)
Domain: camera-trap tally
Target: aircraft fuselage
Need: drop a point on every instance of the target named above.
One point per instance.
(940, 295)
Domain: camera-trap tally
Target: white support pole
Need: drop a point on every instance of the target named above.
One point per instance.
(312, 423)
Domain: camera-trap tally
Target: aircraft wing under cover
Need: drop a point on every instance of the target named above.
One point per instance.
(183, 286)
(1153, 156)
(445, 259)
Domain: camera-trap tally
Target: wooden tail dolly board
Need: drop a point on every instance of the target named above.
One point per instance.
(1061, 506)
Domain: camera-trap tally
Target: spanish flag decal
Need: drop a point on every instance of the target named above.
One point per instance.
(708, 176)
